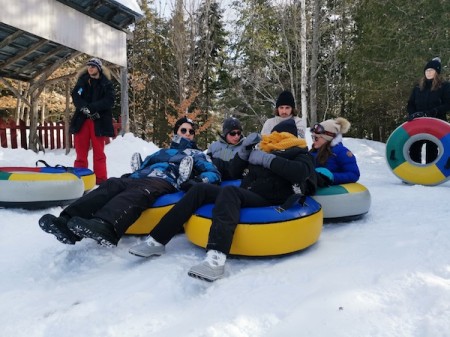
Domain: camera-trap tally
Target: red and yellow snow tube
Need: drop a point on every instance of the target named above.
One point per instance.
(400, 141)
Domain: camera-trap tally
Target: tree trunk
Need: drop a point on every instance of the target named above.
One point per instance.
(304, 68)
(314, 62)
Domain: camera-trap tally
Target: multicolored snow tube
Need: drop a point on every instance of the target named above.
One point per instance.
(400, 141)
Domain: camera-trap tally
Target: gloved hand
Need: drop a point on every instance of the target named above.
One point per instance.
(431, 113)
(85, 110)
(94, 116)
(247, 145)
(258, 157)
(186, 186)
(326, 175)
(416, 115)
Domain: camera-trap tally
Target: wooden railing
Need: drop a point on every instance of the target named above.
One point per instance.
(51, 134)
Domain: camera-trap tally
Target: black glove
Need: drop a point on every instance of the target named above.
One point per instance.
(94, 116)
(186, 186)
(323, 180)
(431, 113)
(416, 115)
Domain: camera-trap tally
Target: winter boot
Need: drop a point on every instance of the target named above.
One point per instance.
(96, 228)
(185, 169)
(58, 227)
(136, 161)
(147, 248)
(211, 269)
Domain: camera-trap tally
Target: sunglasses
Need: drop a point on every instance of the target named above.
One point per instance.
(234, 133)
(184, 130)
(320, 130)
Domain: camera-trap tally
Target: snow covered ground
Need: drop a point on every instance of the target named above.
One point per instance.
(387, 274)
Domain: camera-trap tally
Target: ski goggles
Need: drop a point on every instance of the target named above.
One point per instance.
(318, 129)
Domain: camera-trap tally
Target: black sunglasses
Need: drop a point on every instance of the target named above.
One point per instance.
(320, 130)
(234, 133)
(184, 130)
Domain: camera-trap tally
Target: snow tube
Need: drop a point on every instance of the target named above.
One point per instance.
(264, 231)
(86, 175)
(33, 188)
(400, 141)
(343, 202)
(151, 217)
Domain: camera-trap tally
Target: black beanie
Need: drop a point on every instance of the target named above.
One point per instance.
(181, 121)
(434, 64)
(230, 124)
(285, 98)
(286, 126)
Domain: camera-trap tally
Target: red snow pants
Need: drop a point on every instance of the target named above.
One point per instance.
(83, 139)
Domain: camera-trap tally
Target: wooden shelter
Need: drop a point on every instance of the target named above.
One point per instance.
(38, 36)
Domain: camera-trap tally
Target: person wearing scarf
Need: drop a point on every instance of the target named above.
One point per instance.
(272, 169)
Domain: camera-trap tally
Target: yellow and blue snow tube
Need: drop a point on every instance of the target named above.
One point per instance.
(264, 231)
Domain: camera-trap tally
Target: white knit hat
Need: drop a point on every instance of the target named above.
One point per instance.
(337, 126)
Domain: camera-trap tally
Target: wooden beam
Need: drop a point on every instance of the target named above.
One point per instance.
(24, 53)
(14, 90)
(42, 58)
(10, 38)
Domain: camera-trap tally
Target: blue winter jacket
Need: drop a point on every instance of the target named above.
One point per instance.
(342, 163)
(164, 163)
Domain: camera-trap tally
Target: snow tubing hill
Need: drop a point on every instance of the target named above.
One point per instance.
(400, 141)
(263, 231)
(343, 202)
(43, 187)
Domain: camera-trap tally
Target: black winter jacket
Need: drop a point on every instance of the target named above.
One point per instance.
(98, 96)
(293, 166)
(433, 103)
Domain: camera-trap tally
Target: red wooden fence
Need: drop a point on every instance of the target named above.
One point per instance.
(51, 134)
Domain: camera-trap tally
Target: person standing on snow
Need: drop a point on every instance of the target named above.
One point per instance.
(93, 97)
(429, 98)
(106, 213)
(284, 110)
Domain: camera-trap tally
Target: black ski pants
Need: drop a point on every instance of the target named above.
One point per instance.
(119, 201)
(228, 201)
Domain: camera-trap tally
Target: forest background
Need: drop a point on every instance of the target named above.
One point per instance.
(358, 59)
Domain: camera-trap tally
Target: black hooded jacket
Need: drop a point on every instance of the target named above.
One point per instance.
(434, 103)
(98, 96)
(293, 166)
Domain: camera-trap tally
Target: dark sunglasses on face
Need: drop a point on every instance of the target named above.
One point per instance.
(234, 133)
(184, 130)
(320, 130)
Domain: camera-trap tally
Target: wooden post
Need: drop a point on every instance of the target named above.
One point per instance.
(67, 142)
(124, 100)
